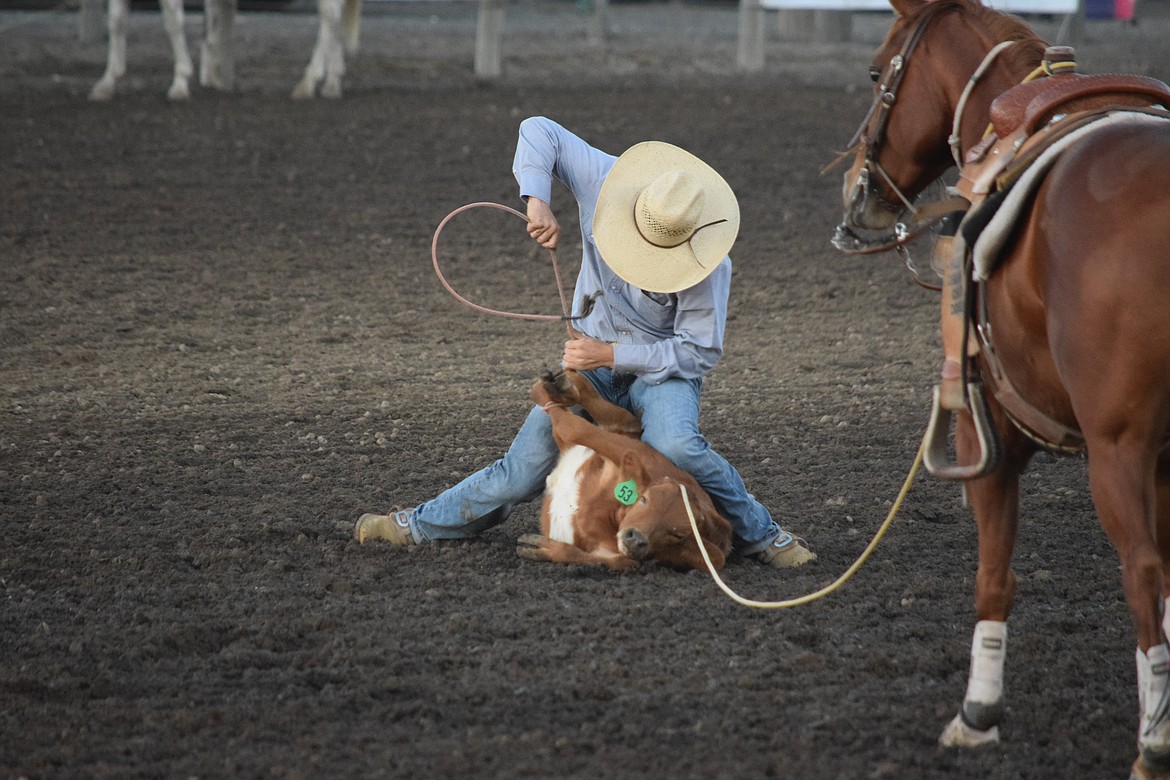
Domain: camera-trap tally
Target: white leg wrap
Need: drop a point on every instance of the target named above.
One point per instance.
(988, 651)
(978, 723)
(1154, 729)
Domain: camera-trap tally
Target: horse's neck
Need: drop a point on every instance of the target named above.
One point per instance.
(995, 67)
(1001, 75)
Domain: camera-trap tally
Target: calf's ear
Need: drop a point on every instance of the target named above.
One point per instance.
(631, 468)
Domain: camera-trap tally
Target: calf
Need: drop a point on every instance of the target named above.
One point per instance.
(612, 499)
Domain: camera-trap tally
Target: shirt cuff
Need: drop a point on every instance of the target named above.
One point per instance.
(627, 358)
(535, 184)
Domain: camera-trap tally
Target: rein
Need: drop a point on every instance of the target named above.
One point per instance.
(565, 316)
(953, 139)
(879, 111)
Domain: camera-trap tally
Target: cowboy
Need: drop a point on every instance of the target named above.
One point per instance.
(656, 224)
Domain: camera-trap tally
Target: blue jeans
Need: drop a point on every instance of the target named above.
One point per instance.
(670, 423)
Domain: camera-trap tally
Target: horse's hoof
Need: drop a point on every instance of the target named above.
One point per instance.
(303, 91)
(959, 734)
(1150, 765)
(102, 91)
(1139, 771)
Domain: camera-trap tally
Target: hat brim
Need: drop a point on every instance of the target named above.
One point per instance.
(640, 263)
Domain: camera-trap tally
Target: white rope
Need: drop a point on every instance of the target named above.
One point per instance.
(836, 584)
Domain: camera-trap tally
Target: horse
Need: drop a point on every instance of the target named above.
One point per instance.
(338, 22)
(1072, 321)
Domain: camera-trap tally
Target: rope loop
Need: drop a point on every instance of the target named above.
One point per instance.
(565, 316)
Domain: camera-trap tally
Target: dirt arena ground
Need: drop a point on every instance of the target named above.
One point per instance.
(221, 340)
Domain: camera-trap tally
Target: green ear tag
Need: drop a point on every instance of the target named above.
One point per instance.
(626, 492)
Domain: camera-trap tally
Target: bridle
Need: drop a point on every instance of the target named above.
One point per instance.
(872, 134)
(872, 131)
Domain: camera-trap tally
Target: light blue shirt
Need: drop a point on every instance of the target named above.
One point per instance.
(655, 335)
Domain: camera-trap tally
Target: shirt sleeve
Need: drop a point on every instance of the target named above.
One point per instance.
(545, 151)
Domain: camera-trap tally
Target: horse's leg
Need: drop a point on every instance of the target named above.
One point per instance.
(1126, 496)
(217, 67)
(116, 53)
(335, 56)
(173, 22)
(994, 501)
(328, 18)
(1153, 762)
(353, 24)
(1152, 673)
(1162, 486)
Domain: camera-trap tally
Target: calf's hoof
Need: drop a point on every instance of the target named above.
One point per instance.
(560, 388)
(531, 546)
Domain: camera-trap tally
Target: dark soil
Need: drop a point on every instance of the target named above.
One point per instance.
(222, 340)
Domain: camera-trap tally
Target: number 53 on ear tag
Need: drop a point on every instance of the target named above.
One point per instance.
(626, 492)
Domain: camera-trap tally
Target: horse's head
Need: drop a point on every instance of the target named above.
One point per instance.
(919, 120)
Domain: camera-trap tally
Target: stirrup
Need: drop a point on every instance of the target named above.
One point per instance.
(935, 456)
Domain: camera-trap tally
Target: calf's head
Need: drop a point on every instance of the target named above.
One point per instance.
(654, 524)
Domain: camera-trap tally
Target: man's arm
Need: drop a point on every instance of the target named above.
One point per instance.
(545, 150)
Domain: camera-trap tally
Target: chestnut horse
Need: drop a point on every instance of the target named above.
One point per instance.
(1079, 309)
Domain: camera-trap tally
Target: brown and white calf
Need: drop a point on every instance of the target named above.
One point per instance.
(612, 499)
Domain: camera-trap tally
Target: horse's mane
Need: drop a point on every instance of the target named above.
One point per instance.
(998, 25)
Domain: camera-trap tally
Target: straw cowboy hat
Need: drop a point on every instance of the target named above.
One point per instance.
(664, 218)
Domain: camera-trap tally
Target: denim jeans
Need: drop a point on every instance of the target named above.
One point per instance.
(670, 423)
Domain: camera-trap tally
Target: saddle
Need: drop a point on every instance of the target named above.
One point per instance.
(1030, 117)
(1031, 122)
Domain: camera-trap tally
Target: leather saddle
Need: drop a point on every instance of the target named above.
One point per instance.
(1027, 120)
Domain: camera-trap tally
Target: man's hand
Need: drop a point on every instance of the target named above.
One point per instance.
(585, 353)
(542, 223)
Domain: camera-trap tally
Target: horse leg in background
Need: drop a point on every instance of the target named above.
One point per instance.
(117, 18)
(352, 16)
(173, 22)
(327, 64)
(995, 503)
(116, 58)
(217, 66)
